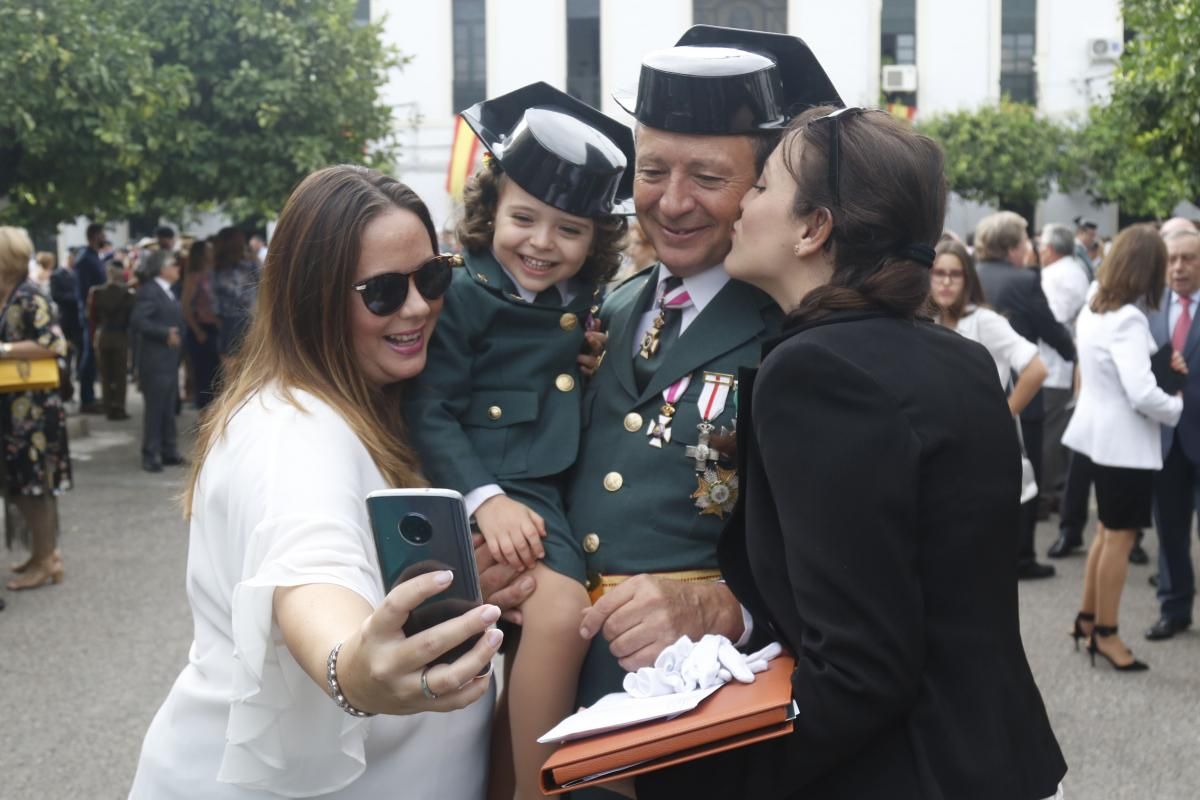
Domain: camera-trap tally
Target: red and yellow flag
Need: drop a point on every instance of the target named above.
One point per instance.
(463, 156)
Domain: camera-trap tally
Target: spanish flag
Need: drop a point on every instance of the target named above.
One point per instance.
(463, 157)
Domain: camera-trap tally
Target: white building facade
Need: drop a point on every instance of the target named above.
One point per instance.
(923, 56)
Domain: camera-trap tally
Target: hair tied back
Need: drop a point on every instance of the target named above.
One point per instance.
(921, 253)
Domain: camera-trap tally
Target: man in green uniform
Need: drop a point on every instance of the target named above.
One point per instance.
(648, 494)
(110, 306)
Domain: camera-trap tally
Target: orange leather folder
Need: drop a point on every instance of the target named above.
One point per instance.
(734, 716)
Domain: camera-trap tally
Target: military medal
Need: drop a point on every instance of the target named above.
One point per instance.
(659, 430)
(711, 403)
(717, 492)
(677, 298)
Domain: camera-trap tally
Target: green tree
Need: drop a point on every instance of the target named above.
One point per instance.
(1004, 155)
(1142, 149)
(114, 107)
(82, 105)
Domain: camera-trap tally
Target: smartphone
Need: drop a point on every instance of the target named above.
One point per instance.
(426, 530)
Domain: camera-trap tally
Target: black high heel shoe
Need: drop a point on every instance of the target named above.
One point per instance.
(1078, 633)
(1105, 631)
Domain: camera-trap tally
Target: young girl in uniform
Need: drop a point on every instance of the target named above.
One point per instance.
(496, 414)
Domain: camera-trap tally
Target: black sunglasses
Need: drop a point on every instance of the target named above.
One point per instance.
(385, 293)
(835, 145)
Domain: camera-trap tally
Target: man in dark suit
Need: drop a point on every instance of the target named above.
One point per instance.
(1001, 246)
(89, 272)
(158, 321)
(1177, 486)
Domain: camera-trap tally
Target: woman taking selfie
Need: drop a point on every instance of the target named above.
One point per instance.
(880, 470)
(295, 643)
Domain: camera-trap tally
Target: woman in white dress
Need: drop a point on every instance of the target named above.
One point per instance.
(282, 574)
(958, 295)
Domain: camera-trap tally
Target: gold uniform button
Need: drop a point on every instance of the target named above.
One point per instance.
(613, 481)
(494, 412)
(564, 383)
(568, 322)
(633, 422)
(591, 543)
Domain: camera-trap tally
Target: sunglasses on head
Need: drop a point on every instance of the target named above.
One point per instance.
(383, 294)
(835, 144)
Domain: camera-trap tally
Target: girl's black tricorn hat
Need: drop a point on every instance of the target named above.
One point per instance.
(558, 149)
(722, 81)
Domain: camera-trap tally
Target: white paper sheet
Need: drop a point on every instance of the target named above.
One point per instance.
(619, 710)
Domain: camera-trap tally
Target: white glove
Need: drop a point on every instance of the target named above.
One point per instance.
(686, 666)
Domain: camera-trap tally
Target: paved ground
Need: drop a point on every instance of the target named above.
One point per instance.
(84, 665)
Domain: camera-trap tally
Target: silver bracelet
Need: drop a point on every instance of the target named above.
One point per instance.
(335, 690)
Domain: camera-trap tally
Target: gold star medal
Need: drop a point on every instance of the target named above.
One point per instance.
(716, 492)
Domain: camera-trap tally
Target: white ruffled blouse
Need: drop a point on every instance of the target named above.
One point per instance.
(280, 502)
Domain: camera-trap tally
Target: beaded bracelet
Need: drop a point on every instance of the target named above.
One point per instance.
(335, 690)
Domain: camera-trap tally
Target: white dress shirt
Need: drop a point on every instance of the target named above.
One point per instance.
(1065, 285)
(1011, 351)
(701, 288)
(281, 502)
(1120, 407)
(166, 287)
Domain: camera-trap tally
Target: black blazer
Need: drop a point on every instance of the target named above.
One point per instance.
(1017, 294)
(154, 313)
(881, 475)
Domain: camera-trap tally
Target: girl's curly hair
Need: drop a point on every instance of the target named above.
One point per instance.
(475, 229)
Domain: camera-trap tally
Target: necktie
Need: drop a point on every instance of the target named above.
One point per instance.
(673, 299)
(1182, 325)
(548, 297)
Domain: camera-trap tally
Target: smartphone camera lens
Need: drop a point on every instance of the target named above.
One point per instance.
(415, 529)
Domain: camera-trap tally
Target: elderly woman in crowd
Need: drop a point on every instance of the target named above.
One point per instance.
(37, 463)
(297, 647)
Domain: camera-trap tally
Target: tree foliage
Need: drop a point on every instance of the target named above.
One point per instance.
(124, 107)
(1142, 150)
(1005, 155)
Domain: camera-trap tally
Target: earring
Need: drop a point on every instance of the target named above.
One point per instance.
(796, 250)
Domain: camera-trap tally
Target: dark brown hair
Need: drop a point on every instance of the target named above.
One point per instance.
(972, 293)
(1135, 269)
(480, 199)
(300, 333)
(892, 194)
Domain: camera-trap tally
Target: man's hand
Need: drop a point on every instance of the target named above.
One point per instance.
(173, 339)
(500, 584)
(593, 353)
(644, 615)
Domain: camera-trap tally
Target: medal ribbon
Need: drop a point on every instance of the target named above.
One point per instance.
(714, 395)
(660, 431)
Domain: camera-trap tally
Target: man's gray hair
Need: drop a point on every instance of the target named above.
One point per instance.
(154, 261)
(1059, 238)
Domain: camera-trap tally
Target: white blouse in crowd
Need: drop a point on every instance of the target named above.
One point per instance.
(1120, 406)
(1011, 351)
(280, 502)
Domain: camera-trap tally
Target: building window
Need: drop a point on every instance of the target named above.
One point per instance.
(583, 50)
(757, 15)
(362, 12)
(470, 53)
(898, 43)
(1018, 44)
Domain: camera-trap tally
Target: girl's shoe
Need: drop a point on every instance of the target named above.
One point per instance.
(38, 576)
(1104, 631)
(1078, 632)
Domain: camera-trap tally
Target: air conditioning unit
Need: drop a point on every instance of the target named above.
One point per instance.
(899, 78)
(1102, 51)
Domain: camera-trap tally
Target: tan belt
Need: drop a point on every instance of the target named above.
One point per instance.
(599, 585)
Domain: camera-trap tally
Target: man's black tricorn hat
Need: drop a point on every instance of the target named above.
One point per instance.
(729, 81)
(558, 149)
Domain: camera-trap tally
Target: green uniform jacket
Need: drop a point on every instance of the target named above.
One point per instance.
(499, 398)
(650, 522)
(112, 307)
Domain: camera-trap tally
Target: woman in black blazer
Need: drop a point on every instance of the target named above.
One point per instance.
(880, 471)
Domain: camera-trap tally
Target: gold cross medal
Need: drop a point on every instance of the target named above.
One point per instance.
(650, 342)
(659, 430)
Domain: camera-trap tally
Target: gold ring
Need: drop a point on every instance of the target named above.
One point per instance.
(425, 690)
